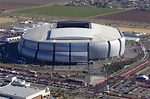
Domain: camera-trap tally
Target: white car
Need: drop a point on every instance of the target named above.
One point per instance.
(26, 22)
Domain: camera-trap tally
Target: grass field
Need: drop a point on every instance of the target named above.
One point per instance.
(70, 11)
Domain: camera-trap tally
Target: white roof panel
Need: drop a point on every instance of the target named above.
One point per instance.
(19, 91)
(49, 32)
(104, 33)
(71, 33)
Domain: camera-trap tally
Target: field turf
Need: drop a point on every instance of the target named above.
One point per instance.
(70, 11)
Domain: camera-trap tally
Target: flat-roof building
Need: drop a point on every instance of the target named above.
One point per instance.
(19, 89)
(22, 92)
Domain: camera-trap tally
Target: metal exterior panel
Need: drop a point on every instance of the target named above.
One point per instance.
(102, 49)
(62, 47)
(79, 47)
(93, 50)
(62, 56)
(31, 44)
(48, 46)
(114, 49)
(78, 56)
(28, 52)
(44, 55)
(122, 45)
(98, 50)
(19, 48)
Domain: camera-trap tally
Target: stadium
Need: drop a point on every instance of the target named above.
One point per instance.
(71, 42)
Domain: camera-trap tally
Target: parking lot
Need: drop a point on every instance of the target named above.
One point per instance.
(142, 92)
(125, 87)
(45, 79)
(10, 56)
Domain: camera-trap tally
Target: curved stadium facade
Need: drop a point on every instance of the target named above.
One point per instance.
(71, 42)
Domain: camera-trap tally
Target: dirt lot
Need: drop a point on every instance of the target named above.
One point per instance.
(126, 16)
(145, 30)
(5, 20)
(13, 4)
(129, 15)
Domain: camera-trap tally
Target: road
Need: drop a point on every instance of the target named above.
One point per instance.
(127, 73)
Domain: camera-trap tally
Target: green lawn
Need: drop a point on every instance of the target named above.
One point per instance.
(71, 11)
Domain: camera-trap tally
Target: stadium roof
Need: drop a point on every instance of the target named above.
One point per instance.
(76, 24)
(50, 32)
(71, 33)
(18, 90)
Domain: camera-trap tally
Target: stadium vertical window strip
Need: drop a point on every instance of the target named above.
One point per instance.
(120, 46)
(87, 51)
(109, 49)
(22, 46)
(69, 53)
(88, 57)
(54, 53)
(37, 50)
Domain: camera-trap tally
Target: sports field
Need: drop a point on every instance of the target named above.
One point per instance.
(70, 11)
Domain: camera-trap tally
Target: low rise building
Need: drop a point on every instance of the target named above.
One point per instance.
(23, 92)
(19, 89)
